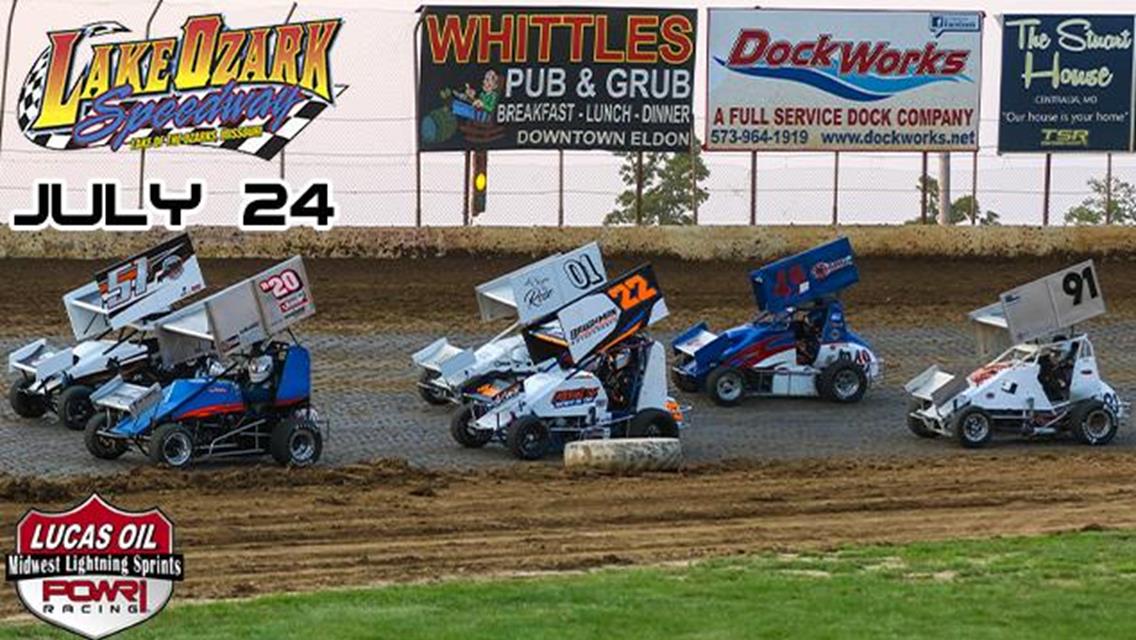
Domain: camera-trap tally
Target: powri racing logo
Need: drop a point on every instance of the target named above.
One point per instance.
(95, 569)
(250, 90)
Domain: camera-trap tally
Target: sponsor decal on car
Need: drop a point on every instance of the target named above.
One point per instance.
(574, 397)
(822, 270)
(593, 326)
(95, 569)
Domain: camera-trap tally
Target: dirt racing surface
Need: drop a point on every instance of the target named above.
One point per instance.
(256, 530)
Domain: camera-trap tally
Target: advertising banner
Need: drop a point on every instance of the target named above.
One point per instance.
(810, 80)
(1066, 83)
(556, 78)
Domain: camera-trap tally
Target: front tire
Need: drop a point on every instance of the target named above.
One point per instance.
(463, 431)
(974, 428)
(528, 438)
(430, 393)
(25, 403)
(843, 381)
(296, 442)
(100, 446)
(915, 425)
(653, 423)
(75, 408)
(726, 386)
(172, 445)
(1093, 424)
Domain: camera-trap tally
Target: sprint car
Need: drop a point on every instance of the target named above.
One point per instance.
(799, 345)
(112, 319)
(597, 376)
(448, 372)
(252, 395)
(1045, 382)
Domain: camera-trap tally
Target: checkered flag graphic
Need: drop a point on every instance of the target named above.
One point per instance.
(268, 145)
(31, 93)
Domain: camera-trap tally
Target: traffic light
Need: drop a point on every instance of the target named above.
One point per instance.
(479, 181)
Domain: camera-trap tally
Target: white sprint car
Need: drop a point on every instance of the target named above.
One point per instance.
(1045, 383)
(449, 372)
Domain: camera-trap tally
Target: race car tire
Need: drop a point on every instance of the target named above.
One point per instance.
(26, 405)
(528, 438)
(102, 447)
(681, 382)
(653, 423)
(430, 394)
(842, 381)
(1092, 423)
(75, 408)
(974, 427)
(464, 434)
(171, 445)
(626, 455)
(915, 425)
(726, 386)
(296, 442)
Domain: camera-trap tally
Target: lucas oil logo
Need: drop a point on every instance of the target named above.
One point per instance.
(250, 90)
(861, 70)
(94, 569)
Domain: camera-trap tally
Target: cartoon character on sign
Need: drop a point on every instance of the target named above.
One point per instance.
(95, 569)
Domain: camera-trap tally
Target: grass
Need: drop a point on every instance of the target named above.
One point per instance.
(1060, 586)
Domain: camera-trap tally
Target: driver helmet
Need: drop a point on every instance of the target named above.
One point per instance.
(259, 369)
(216, 368)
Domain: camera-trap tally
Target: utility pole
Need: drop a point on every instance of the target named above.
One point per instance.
(1108, 192)
(944, 189)
(923, 192)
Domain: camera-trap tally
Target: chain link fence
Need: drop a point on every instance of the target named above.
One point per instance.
(365, 145)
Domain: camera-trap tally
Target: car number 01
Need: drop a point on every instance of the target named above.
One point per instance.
(1074, 284)
(282, 285)
(583, 273)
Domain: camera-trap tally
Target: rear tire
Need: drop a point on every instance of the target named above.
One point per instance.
(100, 446)
(974, 428)
(528, 438)
(726, 386)
(431, 395)
(24, 403)
(1093, 424)
(653, 423)
(75, 408)
(296, 442)
(465, 434)
(172, 445)
(843, 381)
(915, 425)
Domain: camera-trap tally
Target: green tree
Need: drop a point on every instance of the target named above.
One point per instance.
(1092, 209)
(960, 207)
(666, 187)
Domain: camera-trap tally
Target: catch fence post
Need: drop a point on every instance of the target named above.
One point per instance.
(752, 188)
(142, 154)
(465, 190)
(560, 211)
(1108, 191)
(4, 72)
(974, 188)
(693, 175)
(639, 189)
(923, 192)
(417, 119)
(1045, 196)
(836, 189)
(282, 151)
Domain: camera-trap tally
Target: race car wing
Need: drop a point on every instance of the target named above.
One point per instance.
(543, 286)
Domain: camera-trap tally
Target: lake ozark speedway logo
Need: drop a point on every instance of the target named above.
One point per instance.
(94, 569)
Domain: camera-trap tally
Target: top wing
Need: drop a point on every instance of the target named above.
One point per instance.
(245, 313)
(542, 287)
(596, 321)
(820, 272)
(1052, 304)
(150, 282)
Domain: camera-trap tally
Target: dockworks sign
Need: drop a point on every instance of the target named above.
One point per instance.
(250, 90)
(562, 78)
(94, 569)
(843, 80)
(1066, 83)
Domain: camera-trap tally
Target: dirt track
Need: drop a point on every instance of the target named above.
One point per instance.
(255, 530)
